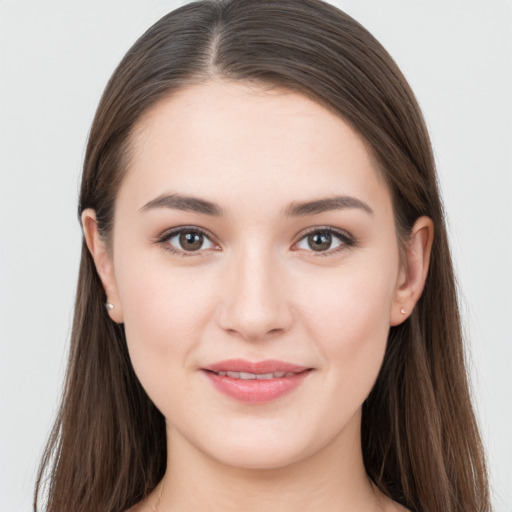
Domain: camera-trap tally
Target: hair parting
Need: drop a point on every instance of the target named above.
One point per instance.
(420, 439)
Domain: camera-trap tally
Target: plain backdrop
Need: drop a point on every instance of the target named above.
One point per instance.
(55, 59)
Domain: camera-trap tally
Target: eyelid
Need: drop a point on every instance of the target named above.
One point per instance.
(347, 240)
(163, 238)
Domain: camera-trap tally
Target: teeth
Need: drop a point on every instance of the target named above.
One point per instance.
(247, 376)
(256, 376)
(265, 376)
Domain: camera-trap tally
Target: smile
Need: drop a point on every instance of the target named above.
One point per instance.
(258, 376)
(255, 383)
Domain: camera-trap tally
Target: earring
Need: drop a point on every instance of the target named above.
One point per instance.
(402, 311)
(109, 306)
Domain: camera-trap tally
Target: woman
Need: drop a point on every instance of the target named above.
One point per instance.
(266, 314)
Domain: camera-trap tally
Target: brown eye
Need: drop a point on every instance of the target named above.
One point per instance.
(325, 240)
(191, 241)
(186, 240)
(320, 241)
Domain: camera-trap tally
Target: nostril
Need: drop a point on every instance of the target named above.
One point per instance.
(250, 335)
(254, 312)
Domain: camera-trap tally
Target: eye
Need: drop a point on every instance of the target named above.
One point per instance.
(186, 241)
(324, 240)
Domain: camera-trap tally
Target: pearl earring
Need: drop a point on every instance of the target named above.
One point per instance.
(402, 311)
(109, 306)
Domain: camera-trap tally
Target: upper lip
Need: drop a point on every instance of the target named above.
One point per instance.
(259, 367)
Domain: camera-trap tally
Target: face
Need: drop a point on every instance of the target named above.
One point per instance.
(254, 235)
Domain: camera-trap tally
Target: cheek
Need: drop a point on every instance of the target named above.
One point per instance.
(164, 314)
(350, 319)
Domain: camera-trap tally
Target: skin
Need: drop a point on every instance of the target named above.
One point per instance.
(256, 289)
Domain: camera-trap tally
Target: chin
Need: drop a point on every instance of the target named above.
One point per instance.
(257, 457)
(263, 449)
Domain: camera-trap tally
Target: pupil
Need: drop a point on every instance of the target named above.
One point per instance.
(320, 241)
(191, 241)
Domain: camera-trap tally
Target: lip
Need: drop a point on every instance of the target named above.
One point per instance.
(267, 366)
(256, 391)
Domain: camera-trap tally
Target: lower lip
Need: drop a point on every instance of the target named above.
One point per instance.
(256, 391)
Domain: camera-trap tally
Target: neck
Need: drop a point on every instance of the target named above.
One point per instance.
(331, 479)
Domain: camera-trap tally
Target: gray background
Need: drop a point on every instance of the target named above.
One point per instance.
(55, 58)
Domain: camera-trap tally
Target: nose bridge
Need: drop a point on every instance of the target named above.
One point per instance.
(254, 302)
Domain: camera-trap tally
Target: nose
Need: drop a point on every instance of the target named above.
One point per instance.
(255, 300)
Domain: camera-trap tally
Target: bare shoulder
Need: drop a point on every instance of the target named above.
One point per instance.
(393, 506)
(136, 508)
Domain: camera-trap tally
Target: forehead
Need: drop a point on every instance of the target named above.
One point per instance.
(226, 140)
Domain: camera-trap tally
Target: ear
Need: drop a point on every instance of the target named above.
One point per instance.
(414, 269)
(103, 261)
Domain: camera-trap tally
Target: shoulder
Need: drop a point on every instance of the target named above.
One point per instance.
(389, 505)
(393, 506)
(136, 508)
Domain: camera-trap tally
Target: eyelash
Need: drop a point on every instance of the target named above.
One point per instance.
(345, 239)
(165, 237)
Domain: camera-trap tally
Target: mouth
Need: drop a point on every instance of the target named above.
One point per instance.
(255, 382)
(255, 376)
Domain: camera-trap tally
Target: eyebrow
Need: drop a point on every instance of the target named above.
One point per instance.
(185, 203)
(295, 209)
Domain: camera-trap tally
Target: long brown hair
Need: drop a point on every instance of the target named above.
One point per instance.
(420, 440)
